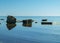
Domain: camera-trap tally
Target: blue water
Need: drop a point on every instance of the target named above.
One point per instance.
(36, 34)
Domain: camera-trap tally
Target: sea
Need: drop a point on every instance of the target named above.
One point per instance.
(36, 34)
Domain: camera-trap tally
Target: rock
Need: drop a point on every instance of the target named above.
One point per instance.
(44, 19)
(27, 23)
(36, 22)
(1, 19)
(46, 23)
(11, 20)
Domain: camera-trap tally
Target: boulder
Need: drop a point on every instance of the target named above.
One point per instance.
(27, 23)
(11, 20)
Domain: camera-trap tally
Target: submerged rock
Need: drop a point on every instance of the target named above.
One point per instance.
(11, 20)
(36, 22)
(1, 19)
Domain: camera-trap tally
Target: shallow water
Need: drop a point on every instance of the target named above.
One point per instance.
(36, 34)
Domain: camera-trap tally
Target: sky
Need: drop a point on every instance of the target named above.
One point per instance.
(30, 7)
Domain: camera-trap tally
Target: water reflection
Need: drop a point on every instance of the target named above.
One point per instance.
(10, 26)
(27, 25)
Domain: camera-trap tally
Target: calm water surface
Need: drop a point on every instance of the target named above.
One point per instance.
(36, 34)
